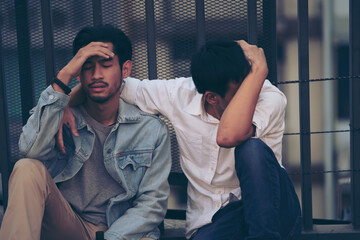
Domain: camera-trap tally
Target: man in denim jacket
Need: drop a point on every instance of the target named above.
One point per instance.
(113, 177)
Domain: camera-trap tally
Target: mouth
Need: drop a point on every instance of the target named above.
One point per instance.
(97, 86)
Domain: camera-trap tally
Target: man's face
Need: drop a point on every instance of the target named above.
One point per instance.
(101, 78)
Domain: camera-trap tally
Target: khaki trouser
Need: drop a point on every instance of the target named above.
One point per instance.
(37, 210)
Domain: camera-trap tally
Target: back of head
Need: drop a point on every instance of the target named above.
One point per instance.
(217, 64)
(105, 33)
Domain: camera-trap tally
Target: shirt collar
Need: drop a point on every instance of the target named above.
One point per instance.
(197, 108)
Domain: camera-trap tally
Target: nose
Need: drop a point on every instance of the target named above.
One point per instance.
(97, 72)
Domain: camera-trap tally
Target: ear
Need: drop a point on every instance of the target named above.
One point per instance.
(211, 97)
(126, 69)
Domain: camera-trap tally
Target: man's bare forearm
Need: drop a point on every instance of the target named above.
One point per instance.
(236, 122)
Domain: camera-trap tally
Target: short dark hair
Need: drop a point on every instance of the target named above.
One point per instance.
(217, 64)
(105, 33)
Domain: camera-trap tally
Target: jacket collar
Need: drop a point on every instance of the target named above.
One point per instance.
(127, 113)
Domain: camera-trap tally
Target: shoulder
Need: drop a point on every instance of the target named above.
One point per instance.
(182, 82)
(185, 83)
(271, 94)
(146, 118)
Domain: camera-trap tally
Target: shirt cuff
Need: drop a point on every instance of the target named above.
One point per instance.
(258, 125)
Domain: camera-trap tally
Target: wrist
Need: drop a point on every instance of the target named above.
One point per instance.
(64, 76)
(260, 70)
(59, 86)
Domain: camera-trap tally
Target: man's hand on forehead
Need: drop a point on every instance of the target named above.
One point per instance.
(99, 49)
(73, 68)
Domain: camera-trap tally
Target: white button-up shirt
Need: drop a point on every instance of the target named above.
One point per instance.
(209, 168)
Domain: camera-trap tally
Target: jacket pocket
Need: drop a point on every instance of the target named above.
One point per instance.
(133, 166)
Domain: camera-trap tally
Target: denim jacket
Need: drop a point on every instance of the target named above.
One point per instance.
(136, 155)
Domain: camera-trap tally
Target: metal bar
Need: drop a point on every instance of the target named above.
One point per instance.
(355, 110)
(25, 72)
(332, 231)
(305, 147)
(97, 12)
(200, 24)
(151, 39)
(252, 21)
(328, 109)
(5, 153)
(269, 22)
(47, 24)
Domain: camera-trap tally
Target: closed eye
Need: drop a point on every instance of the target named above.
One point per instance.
(106, 62)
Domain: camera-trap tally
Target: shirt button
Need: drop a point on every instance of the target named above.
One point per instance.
(108, 151)
(216, 146)
(219, 192)
(218, 205)
(51, 97)
(212, 169)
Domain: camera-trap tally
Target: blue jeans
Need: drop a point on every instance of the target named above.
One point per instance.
(269, 208)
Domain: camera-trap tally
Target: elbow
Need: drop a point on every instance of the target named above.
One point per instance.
(229, 141)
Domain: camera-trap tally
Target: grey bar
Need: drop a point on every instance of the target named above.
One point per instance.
(151, 39)
(200, 23)
(354, 53)
(4, 129)
(97, 12)
(252, 21)
(305, 147)
(47, 24)
(269, 22)
(25, 71)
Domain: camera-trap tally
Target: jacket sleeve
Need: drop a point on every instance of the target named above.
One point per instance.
(37, 139)
(150, 204)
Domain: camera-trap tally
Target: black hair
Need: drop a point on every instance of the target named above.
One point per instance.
(105, 33)
(217, 64)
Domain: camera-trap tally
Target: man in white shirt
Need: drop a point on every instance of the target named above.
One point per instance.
(229, 123)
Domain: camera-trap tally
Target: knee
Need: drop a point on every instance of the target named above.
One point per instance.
(28, 163)
(252, 154)
(28, 168)
(251, 148)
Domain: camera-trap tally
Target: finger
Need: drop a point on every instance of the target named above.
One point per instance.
(106, 51)
(98, 51)
(59, 140)
(73, 128)
(101, 44)
(243, 44)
